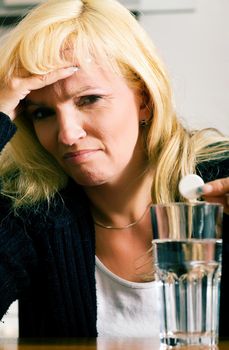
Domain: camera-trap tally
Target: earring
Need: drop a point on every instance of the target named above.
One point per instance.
(143, 122)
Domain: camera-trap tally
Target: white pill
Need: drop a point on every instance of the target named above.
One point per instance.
(188, 186)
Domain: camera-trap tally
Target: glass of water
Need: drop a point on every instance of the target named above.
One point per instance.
(187, 248)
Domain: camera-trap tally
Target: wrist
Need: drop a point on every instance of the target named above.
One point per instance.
(7, 112)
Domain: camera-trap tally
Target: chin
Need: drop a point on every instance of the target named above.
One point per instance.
(90, 179)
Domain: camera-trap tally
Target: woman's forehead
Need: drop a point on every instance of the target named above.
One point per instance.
(93, 79)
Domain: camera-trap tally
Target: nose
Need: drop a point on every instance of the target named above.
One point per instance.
(70, 130)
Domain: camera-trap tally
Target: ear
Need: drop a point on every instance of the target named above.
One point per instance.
(145, 112)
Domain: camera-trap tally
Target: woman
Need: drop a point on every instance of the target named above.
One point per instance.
(89, 139)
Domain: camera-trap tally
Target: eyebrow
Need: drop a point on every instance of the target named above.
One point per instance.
(27, 102)
(80, 91)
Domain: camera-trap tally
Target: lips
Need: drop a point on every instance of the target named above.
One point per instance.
(79, 156)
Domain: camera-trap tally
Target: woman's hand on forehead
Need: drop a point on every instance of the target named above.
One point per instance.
(18, 88)
(39, 81)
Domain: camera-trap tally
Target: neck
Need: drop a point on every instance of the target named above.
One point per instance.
(121, 203)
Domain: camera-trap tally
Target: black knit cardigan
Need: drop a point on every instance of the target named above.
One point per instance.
(47, 260)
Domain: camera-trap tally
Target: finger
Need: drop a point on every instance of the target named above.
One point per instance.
(39, 81)
(19, 88)
(215, 188)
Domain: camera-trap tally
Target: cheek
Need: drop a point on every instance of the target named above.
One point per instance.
(123, 139)
(45, 137)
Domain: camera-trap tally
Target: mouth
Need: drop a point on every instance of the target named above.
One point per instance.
(79, 156)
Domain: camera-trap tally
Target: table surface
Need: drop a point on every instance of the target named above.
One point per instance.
(91, 344)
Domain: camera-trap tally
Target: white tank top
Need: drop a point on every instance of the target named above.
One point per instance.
(124, 308)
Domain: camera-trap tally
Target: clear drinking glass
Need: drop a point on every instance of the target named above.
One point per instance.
(187, 248)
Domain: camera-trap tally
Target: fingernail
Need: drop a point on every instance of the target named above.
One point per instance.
(199, 190)
(72, 69)
(204, 189)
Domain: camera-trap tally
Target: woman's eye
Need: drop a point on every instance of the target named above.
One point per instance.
(88, 100)
(40, 113)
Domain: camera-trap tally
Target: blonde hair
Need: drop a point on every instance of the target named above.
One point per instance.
(104, 31)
